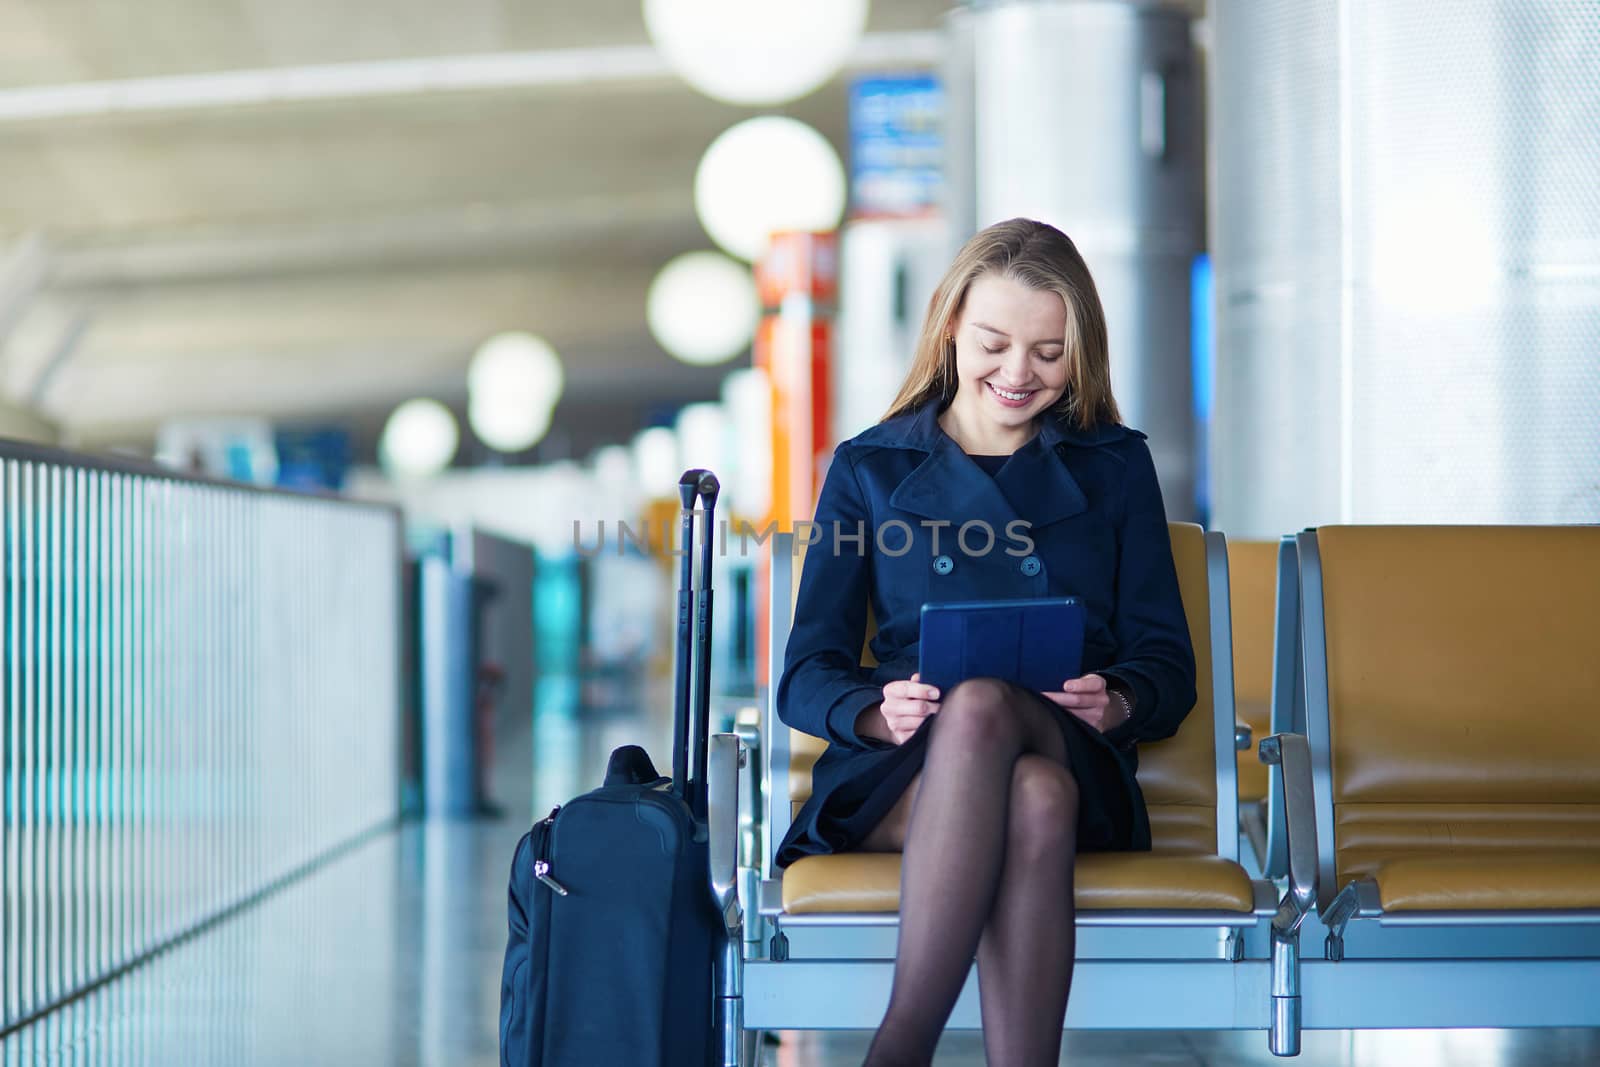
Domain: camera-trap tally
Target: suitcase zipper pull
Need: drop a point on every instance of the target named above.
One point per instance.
(541, 871)
(541, 866)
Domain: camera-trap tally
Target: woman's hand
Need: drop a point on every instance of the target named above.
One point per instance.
(906, 703)
(1088, 699)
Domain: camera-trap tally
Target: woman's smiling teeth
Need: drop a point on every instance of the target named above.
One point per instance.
(1010, 395)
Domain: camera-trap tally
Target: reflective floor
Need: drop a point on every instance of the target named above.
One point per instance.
(390, 955)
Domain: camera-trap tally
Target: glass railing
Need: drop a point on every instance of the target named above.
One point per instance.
(199, 698)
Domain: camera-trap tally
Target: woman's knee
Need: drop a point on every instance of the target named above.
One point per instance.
(1044, 807)
(980, 711)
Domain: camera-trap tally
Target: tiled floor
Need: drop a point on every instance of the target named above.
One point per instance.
(390, 956)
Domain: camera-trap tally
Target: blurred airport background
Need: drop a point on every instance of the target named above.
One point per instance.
(350, 352)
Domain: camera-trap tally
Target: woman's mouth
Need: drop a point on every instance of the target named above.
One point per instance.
(1011, 398)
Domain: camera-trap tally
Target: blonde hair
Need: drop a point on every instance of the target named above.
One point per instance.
(1039, 256)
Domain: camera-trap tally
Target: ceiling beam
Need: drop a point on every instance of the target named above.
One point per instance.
(467, 234)
(554, 68)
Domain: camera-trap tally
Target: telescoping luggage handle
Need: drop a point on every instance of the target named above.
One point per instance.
(694, 487)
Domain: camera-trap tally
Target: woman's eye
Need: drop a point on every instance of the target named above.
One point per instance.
(994, 351)
(1048, 357)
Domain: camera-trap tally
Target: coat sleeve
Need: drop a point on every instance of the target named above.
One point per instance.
(823, 687)
(1154, 656)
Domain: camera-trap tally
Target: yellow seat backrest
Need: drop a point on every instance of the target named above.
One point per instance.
(804, 749)
(1178, 776)
(1463, 690)
(1252, 595)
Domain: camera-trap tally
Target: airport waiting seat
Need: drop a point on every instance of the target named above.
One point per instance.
(1185, 919)
(1453, 717)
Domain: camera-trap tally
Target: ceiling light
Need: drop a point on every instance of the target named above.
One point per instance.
(655, 459)
(755, 51)
(702, 308)
(765, 175)
(419, 439)
(703, 431)
(507, 422)
(513, 384)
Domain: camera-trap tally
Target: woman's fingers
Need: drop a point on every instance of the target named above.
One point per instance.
(906, 689)
(904, 717)
(915, 709)
(1067, 699)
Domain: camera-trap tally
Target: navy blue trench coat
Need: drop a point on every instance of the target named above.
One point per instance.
(1071, 513)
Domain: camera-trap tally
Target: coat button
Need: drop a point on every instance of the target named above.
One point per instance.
(943, 565)
(1030, 565)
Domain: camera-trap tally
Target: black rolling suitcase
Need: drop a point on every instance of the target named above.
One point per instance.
(613, 928)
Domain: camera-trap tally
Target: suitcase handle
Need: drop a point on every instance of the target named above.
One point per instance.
(694, 486)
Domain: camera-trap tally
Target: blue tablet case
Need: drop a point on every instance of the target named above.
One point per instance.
(1036, 643)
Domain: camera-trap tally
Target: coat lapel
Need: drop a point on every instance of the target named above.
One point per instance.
(1034, 485)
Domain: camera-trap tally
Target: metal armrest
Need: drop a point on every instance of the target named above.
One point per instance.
(722, 785)
(722, 817)
(1241, 736)
(747, 727)
(1292, 754)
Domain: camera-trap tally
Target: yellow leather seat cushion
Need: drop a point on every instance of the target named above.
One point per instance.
(1371, 835)
(1105, 881)
(1511, 882)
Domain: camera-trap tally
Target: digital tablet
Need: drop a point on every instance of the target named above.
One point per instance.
(1036, 643)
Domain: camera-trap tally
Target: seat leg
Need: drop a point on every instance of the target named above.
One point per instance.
(730, 1002)
(1284, 1037)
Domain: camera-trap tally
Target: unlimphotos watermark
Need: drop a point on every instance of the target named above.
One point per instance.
(895, 537)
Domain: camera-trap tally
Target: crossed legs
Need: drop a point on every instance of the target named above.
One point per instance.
(988, 834)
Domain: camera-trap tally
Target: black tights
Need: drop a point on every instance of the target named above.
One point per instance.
(987, 869)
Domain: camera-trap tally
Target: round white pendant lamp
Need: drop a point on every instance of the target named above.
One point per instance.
(755, 52)
(507, 422)
(764, 175)
(513, 384)
(702, 308)
(613, 467)
(419, 440)
(655, 461)
(703, 432)
(612, 475)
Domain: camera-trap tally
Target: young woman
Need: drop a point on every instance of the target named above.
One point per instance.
(1005, 424)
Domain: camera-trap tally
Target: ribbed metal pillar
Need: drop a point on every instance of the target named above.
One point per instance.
(1407, 255)
(1087, 114)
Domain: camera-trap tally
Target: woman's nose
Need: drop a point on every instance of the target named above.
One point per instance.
(1014, 366)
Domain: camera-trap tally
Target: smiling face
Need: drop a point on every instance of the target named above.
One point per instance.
(1011, 361)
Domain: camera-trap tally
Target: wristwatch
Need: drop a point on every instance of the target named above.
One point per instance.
(1127, 705)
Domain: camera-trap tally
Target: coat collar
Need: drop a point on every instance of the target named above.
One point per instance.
(1034, 485)
(919, 428)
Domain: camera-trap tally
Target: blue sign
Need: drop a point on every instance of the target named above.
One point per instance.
(313, 460)
(896, 145)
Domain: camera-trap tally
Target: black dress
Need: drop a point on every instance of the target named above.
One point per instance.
(844, 808)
